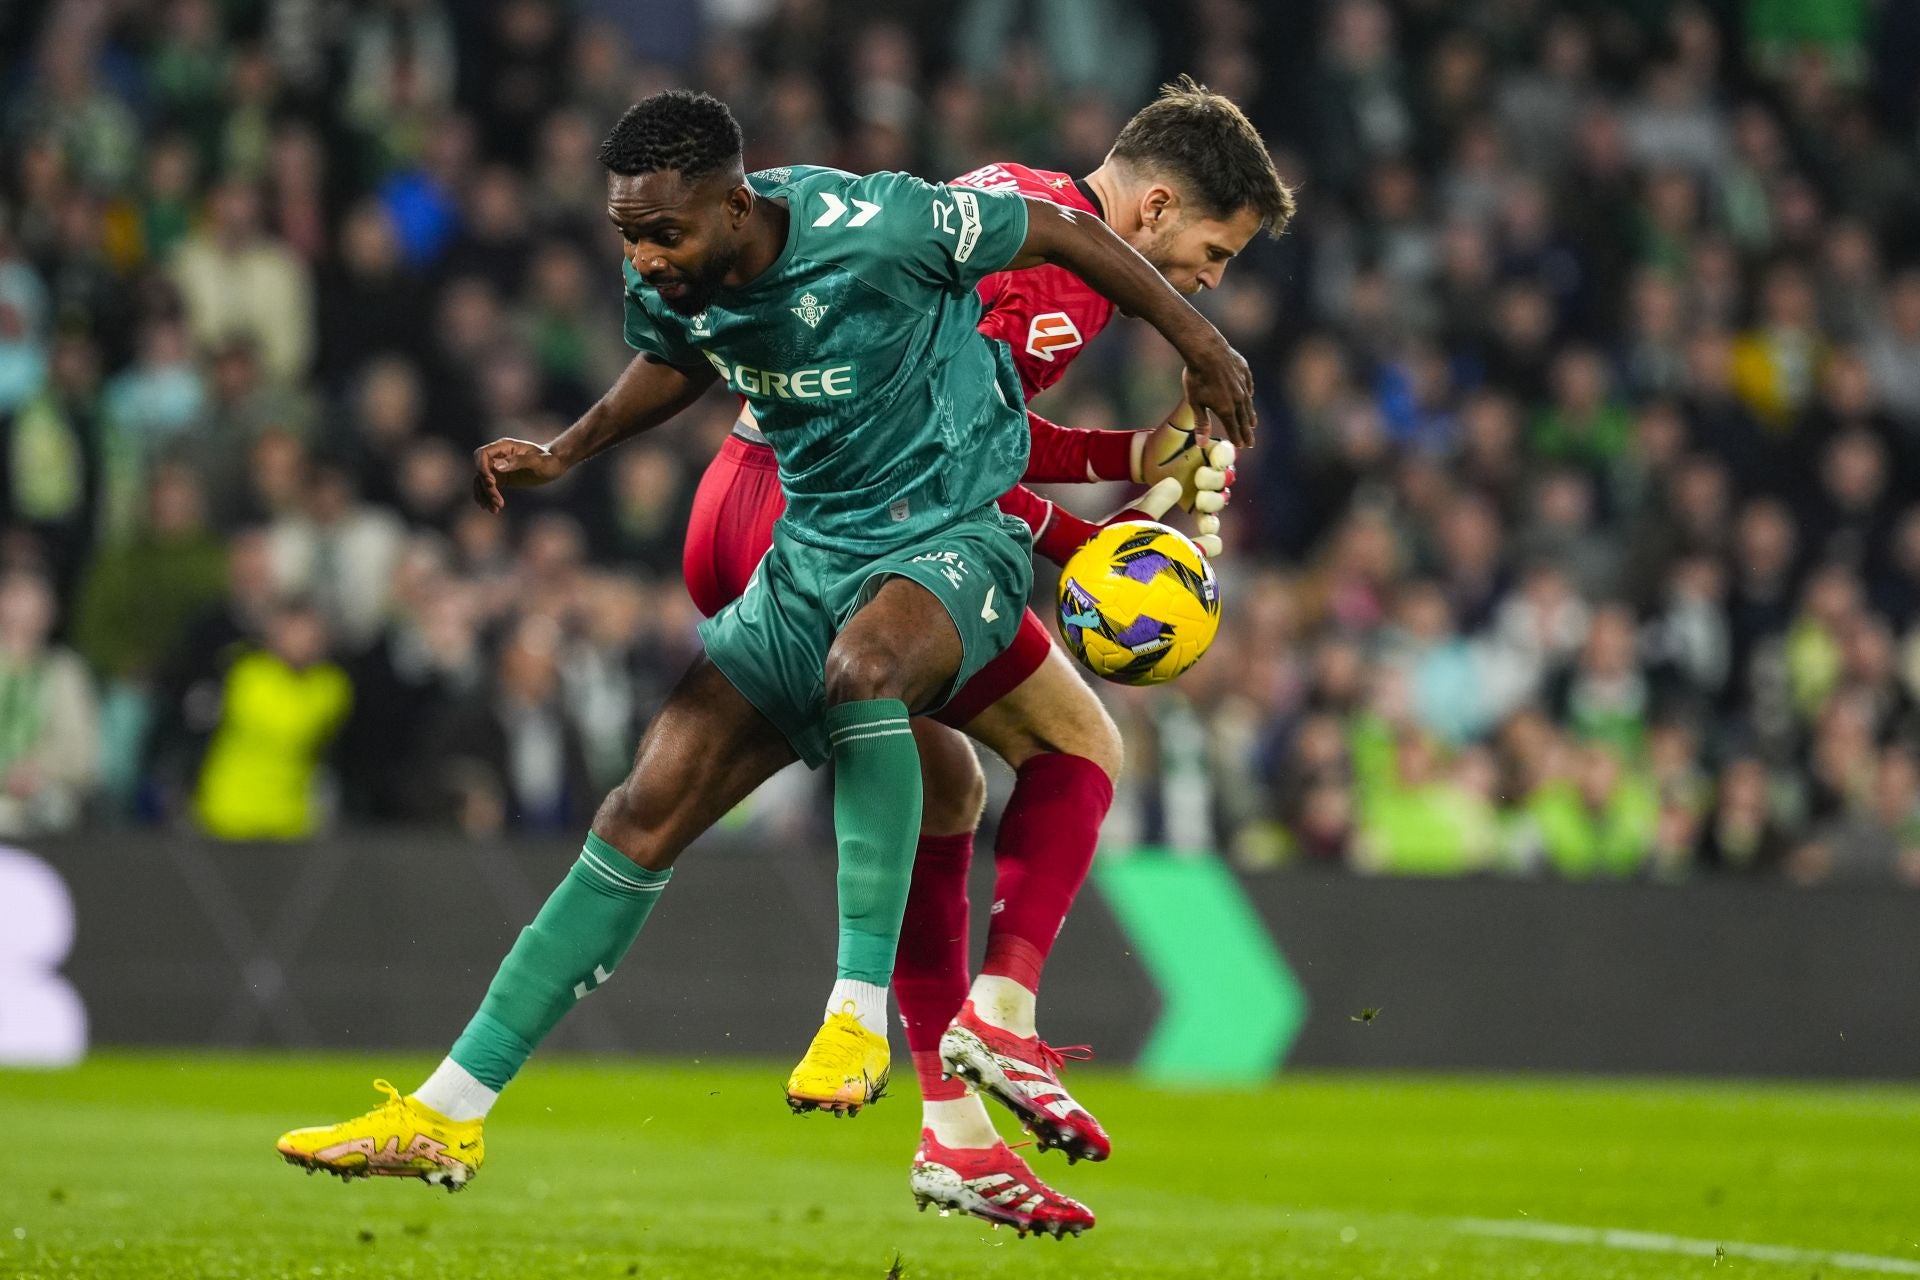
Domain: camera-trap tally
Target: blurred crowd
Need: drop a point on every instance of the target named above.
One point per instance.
(1578, 540)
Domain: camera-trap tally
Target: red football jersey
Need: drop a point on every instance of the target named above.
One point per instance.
(1046, 314)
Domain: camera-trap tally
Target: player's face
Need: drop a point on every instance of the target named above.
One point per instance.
(683, 238)
(1192, 251)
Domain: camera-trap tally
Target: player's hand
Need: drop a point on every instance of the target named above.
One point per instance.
(1158, 501)
(1213, 490)
(511, 464)
(1154, 505)
(1177, 449)
(1151, 505)
(1064, 533)
(1218, 382)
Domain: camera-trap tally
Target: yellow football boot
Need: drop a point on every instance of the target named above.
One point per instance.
(398, 1139)
(845, 1068)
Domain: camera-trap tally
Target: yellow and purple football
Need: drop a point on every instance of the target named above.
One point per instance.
(1138, 603)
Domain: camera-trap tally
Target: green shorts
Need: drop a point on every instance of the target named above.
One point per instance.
(772, 642)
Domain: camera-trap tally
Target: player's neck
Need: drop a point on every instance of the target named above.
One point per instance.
(766, 238)
(1122, 213)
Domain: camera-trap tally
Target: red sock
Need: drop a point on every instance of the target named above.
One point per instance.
(930, 968)
(1042, 858)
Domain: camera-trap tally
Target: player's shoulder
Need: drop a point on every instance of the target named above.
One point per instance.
(782, 179)
(803, 180)
(826, 202)
(853, 217)
(1018, 179)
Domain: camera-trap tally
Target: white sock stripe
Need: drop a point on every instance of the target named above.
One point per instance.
(618, 884)
(861, 737)
(644, 886)
(867, 724)
(631, 888)
(615, 872)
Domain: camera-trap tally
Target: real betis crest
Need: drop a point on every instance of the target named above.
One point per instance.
(810, 310)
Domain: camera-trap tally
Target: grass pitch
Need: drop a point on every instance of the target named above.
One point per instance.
(148, 1167)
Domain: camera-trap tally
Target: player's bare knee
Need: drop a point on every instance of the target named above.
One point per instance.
(859, 670)
(626, 822)
(1104, 751)
(954, 795)
(1098, 739)
(1089, 732)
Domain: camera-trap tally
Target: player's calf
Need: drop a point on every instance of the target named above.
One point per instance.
(886, 660)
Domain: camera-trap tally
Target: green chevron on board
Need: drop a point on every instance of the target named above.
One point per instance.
(1230, 1006)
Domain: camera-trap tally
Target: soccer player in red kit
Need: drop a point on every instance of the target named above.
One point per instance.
(1188, 183)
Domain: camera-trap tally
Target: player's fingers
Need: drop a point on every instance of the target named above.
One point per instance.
(1241, 382)
(1210, 545)
(1210, 501)
(1240, 430)
(485, 494)
(1159, 500)
(1214, 478)
(1202, 421)
(1220, 455)
(485, 491)
(1224, 412)
(1207, 526)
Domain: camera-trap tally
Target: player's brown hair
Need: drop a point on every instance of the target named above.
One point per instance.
(1203, 140)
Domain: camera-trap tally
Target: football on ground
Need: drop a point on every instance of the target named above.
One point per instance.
(156, 1167)
(1138, 603)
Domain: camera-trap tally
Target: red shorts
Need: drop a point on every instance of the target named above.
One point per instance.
(731, 528)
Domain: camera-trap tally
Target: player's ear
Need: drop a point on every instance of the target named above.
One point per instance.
(1158, 205)
(739, 205)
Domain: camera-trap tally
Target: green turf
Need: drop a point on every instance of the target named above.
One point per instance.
(148, 1167)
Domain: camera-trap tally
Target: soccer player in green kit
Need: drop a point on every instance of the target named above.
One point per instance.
(843, 308)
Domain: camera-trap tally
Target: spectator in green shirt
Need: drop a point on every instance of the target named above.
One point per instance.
(1601, 821)
(140, 594)
(1428, 822)
(1584, 424)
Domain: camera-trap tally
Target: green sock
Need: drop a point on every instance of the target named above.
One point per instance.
(570, 948)
(876, 815)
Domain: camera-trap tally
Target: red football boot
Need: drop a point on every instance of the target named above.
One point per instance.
(1022, 1074)
(994, 1184)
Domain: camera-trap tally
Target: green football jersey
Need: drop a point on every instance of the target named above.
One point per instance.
(890, 414)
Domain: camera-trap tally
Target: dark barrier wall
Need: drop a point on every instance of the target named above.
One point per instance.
(1725, 979)
(389, 940)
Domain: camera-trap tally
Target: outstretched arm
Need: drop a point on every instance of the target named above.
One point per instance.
(1218, 380)
(1075, 455)
(1058, 533)
(1201, 469)
(646, 394)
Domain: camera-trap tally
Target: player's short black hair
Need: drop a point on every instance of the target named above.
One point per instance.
(693, 134)
(1203, 140)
